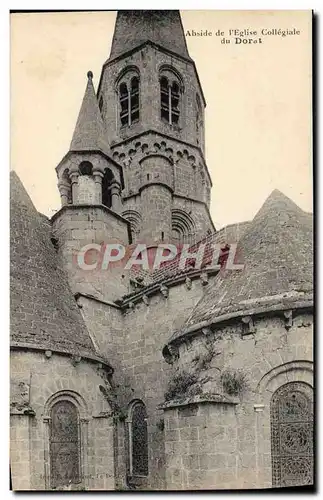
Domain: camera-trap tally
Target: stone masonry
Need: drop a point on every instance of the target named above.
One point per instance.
(191, 379)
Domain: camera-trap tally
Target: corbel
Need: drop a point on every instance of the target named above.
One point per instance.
(164, 291)
(204, 278)
(248, 325)
(145, 299)
(288, 318)
(188, 283)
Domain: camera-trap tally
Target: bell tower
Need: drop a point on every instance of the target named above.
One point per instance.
(152, 109)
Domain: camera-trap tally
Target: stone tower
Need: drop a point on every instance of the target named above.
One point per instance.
(152, 107)
(90, 183)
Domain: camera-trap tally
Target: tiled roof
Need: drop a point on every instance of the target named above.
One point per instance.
(277, 251)
(89, 130)
(44, 313)
(135, 27)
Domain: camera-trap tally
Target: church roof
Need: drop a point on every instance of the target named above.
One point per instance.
(277, 252)
(89, 129)
(135, 27)
(44, 313)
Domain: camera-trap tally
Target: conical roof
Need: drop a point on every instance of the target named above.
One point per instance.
(277, 251)
(135, 27)
(89, 129)
(44, 313)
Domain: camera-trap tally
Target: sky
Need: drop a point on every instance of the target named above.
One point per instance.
(258, 116)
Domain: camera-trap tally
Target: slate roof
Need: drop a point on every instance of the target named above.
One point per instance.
(89, 130)
(277, 250)
(135, 27)
(44, 313)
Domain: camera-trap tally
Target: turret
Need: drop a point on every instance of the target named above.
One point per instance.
(90, 183)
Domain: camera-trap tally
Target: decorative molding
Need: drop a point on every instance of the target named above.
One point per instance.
(301, 366)
(199, 399)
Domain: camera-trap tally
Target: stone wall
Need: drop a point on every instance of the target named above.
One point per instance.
(229, 445)
(48, 378)
(77, 226)
(149, 60)
(201, 446)
(133, 342)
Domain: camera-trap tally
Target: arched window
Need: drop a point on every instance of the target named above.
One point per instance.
(85, 168)
(138, 440)
(169, 100)
(106, 191)
(135, 220)
(183, 227)
(292, 435)
(129, 101)
(64, 444)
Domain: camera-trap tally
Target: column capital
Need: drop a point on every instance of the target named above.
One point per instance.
(74, 177)
(115, 184)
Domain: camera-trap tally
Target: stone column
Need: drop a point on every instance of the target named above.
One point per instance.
(74, 176)
(64, 190)
(98, 176)
(115, 189)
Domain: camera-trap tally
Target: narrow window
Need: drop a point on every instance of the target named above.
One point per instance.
(164, 98)
(174, 103)
(169, 101)
(129, 102)
(64, 445)
(134, 104)
(106, 191)
(292, 435)
(124, 105)
(139, 441)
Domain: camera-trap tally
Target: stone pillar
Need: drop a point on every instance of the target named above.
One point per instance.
(64, 190)
(74, 181)
(201, 445)
(20, 451)
(115, 189)
(98, 176)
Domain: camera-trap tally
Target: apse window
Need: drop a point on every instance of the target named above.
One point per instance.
(138, 440)
(65, 465)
